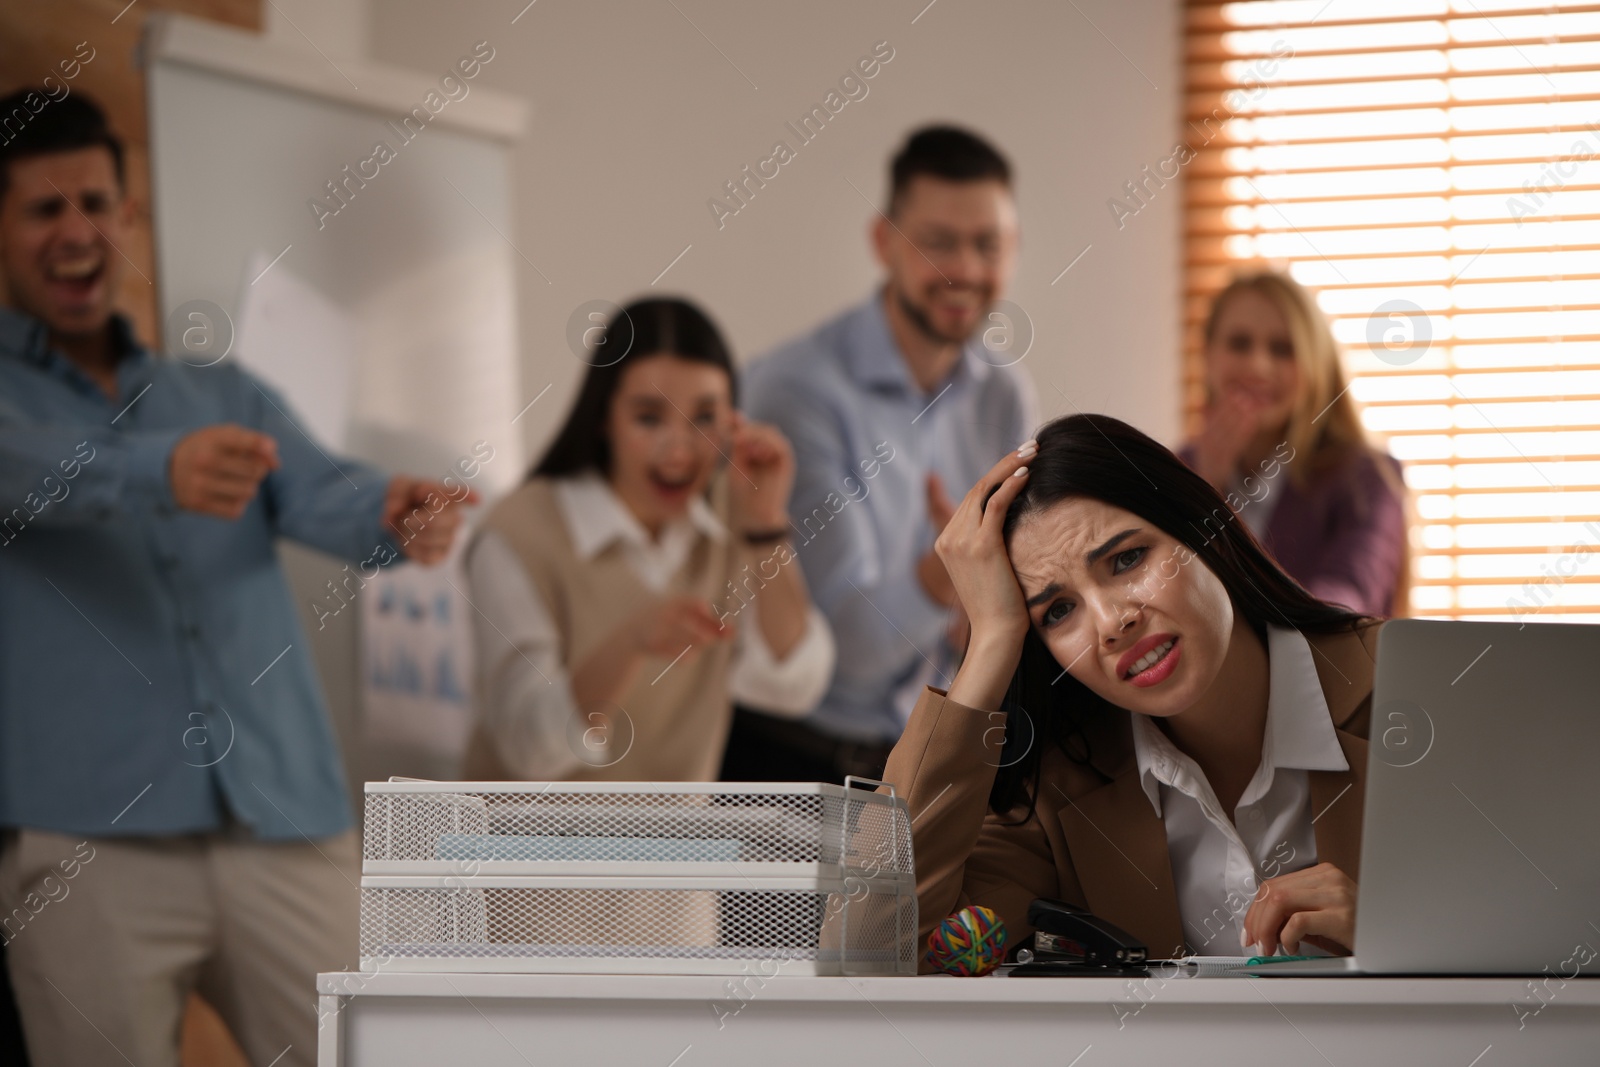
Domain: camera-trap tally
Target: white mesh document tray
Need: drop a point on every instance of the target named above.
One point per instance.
(634, 877)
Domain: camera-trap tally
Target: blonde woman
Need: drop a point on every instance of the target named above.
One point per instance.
(1283, 443)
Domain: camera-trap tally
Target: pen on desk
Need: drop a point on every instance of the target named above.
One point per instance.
(1224, 963)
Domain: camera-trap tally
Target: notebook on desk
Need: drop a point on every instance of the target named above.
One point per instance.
(1480, 849)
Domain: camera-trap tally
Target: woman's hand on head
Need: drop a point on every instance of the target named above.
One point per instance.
(1317, 905)
(973, 550)
(762, 478)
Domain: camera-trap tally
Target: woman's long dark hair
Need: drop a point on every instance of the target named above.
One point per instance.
(645, 328)
(1104, 459)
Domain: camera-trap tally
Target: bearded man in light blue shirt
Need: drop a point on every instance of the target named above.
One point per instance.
(894, 408)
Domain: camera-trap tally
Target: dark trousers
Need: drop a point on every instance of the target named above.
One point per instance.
(12, 1050)
(764, 748)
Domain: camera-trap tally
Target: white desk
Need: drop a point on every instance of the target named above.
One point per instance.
(483, 1020)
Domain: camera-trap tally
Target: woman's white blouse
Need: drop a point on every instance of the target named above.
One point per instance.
(1218, 863)
(524, 693)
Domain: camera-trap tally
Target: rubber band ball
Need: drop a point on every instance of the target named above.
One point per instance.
(968, 944)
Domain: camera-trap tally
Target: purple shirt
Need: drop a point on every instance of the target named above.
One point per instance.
(1344, 536)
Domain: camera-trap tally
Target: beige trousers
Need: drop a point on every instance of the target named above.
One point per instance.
(106, 938)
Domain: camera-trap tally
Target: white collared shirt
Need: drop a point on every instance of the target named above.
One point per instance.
(596, 516)
(1218, 863)
(524, 692)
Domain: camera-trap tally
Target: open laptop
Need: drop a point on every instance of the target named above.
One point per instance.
(1480, 845)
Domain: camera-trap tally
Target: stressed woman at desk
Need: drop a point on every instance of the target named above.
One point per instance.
(1152, 721)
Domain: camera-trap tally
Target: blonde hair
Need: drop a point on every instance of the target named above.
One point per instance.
(1325, 424)
(1326, 441)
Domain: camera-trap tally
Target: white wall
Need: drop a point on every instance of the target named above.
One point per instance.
(339, 28)
(638, 121)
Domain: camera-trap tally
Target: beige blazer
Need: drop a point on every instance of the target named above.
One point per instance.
(1092, 841)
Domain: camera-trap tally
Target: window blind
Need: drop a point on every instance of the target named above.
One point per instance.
(1431, 170)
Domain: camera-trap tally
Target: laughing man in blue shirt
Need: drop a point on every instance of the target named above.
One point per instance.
(166, 758)
(894, 408)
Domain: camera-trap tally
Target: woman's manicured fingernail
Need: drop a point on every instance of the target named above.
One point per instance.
(1019, 472)
(1029, 445)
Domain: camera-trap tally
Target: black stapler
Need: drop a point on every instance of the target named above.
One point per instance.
(1070, 941)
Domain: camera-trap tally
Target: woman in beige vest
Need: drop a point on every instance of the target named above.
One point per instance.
(1152, 721)
(642, 578)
